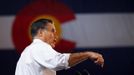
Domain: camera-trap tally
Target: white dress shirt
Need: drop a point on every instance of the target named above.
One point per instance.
(39, 58)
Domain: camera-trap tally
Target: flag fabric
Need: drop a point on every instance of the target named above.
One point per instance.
(103, 28)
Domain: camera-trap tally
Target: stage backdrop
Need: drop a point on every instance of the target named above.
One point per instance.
(103, 28)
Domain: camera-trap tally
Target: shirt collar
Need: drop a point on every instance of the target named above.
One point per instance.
(38, 40)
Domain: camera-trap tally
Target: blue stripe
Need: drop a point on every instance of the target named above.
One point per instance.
(11, 7)
(101, 6)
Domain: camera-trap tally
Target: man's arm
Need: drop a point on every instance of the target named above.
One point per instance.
(75, 58)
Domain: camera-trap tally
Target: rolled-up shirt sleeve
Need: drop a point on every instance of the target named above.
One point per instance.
(62, 61)
(49, 58)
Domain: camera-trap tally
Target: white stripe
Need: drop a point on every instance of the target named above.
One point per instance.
(5, 32)
(87, 30)
(101, 30)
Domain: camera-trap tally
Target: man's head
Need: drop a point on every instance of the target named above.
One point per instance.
(44, 29)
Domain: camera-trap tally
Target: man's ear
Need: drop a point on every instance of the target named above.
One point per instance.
(40, 32)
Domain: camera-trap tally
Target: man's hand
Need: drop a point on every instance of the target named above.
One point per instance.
(96, 57)
(75, 58)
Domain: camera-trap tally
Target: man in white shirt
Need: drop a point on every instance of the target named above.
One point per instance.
(39, 58)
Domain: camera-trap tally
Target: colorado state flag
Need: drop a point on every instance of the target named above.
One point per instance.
(80, 24)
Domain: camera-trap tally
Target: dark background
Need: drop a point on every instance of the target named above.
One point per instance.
(118, 61)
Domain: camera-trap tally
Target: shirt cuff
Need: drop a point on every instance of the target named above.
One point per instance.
(67, 59)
